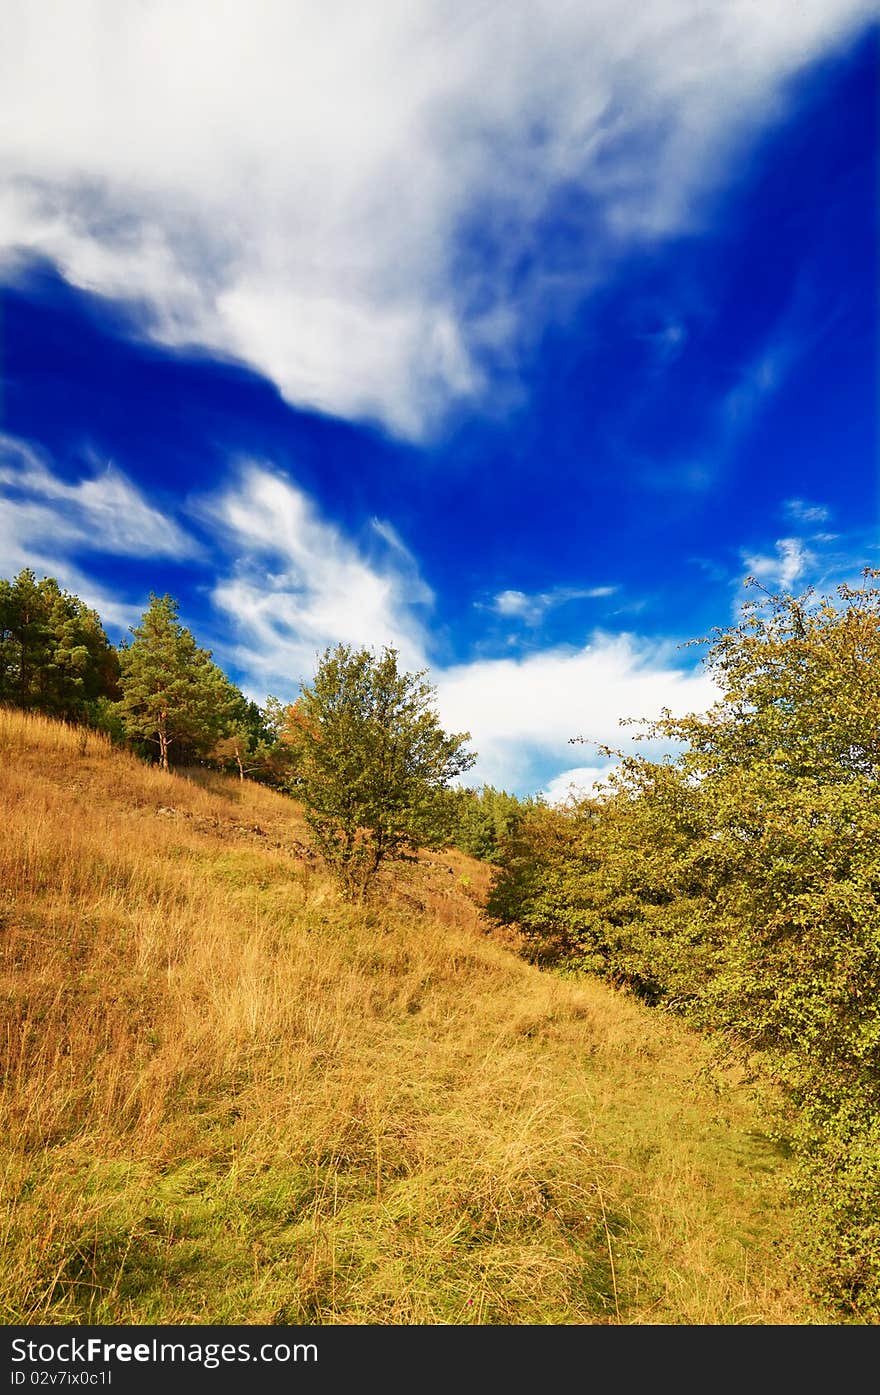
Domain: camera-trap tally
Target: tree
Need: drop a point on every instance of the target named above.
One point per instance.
(172, 692)
(253, 744)
(54, 654)
(788, 771)
(617, 886)
(482, 820)
(740, 881)
(371, 762)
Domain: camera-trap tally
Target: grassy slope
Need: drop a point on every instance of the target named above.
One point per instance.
(228, 1098)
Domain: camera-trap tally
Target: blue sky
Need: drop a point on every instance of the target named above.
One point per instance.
(515, 335)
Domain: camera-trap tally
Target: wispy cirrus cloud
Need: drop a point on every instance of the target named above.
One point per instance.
(298, 185)
(758, 381)
(733, 414)
(47, 522)
(297, 583)
(814, 559)
(103, 510)
(802, 511)
(788, 564)
(531, 607)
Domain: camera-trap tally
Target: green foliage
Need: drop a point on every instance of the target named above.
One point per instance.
(615, 888)
(371, 762)
(789, 771)
(54, 654)
(252, 745)
(481, 820)
(740, 882)
(172, 692)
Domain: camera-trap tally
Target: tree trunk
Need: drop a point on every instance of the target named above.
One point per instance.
(163, 740)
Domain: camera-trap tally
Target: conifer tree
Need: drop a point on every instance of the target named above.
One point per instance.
(54, 654)
(172, 692)
(252, 745)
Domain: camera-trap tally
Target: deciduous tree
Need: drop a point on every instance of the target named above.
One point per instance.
(740, 881)
(371, 761)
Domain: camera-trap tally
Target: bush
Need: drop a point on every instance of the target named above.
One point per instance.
(740, 882)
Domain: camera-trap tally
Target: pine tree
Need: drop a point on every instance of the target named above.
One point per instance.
(54, 654)
(252, 745)
(172, 692)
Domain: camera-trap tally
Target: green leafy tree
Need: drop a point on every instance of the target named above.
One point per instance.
(788, 771)
(172, 692)
(785, 771)
(740, 882)
(616, 887)
(54, 654)
(371, 762)
(481, 820)
(253, 745)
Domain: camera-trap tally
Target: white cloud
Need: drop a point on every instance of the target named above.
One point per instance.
(818, 563)
(522, 713)
(519, 606)
(105, 512)
(532, 607)
(45, 521)
(801, 511)
(789, 564)
(299, 584)
(575, 784)
(293, 183)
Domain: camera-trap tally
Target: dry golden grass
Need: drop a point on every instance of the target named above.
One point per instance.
(227, 1097)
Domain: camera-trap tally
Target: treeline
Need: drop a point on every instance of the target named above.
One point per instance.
(159, 693)
(163, 696)
(54, 654)
(739, 884)
(481, 822)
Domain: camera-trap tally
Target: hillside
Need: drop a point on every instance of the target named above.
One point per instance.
(228, 1097)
